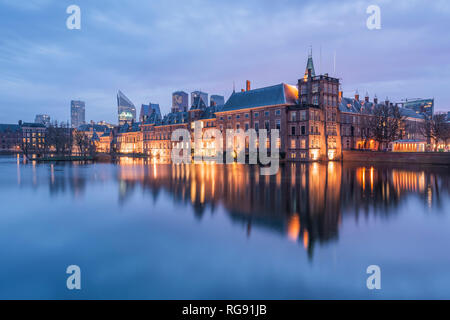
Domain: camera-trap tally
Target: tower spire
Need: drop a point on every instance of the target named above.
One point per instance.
(310, 65)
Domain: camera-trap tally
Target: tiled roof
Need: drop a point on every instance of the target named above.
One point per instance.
(210, 112)
(351, 105)
(275, 95)
(134, 127)
(174, 118)
(94, 127)
(9, 127)
(33, 125)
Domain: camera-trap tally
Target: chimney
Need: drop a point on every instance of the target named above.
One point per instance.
(340, 96)
(357, 95)
(248, 85)
(20, 122)
(375, 100)
(242, 90)
(367, 97)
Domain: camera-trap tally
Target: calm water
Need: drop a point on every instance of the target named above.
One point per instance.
(156, 231)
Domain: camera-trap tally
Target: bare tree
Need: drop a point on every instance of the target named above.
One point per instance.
(25, 146)
(82, 142)
(384, 125)
(58, 140)
(435, 129)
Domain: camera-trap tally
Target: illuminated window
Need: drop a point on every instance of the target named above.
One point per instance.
(293, 144)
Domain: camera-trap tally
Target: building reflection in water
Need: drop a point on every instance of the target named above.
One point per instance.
(304, 202)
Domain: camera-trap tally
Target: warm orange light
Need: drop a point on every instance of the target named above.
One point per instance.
(305, 239)
(293, 230)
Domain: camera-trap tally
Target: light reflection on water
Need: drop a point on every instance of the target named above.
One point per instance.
(224, 231)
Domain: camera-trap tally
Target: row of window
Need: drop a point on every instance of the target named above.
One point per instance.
(326, 88)
(266, 113)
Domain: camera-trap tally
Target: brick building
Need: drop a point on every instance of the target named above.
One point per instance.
(10, 135)
(314, 120)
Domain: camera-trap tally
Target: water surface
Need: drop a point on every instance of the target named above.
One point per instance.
(140, 230)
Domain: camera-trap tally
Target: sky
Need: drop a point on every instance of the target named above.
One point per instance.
(149, 49)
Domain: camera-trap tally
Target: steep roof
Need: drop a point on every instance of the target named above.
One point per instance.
(174, 118)
(351, 105)
(9, 128)
(33, 125)
(310, 66)
(268, 96)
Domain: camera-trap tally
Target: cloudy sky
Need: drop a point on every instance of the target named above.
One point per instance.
(148, 49)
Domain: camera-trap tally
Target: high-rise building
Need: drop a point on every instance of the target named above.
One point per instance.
(217, 100)
(42, 119)
(77, 113)
(199, 100)
(125, 109)
(421, 106)
(180, 101)
(147, 110)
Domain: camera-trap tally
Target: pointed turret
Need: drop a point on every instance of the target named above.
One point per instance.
(310, 66)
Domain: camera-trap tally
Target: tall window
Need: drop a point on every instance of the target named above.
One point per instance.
(293, 116)
(316, 100)
(303, 115)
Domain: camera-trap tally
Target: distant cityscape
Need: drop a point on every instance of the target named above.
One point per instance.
(315, 121)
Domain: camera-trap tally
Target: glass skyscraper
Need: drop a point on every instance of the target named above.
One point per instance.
(126, 109)
(421, 106)
(199, 99)
(77, 113)
(180, 101)
(42, 119)
(217, 100)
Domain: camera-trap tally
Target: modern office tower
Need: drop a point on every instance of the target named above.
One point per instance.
(199, 100)
(125, 109)
(77, 113)
(180, 101)
(149, 111)
(217, 100)
(421, 106)
(42, 119)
